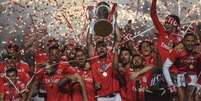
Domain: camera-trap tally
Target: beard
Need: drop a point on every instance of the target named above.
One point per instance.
(137, 66)
(81, 63)
(102, 54)
(124, 62)
(189, 48)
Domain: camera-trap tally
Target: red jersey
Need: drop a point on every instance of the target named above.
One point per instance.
(134, 89)
(51, 82)
(23, 71)
(2, 68)
(165, 40)
(150, 60)
(2, 71)
(104, 75)
(41, 58)
(89, 83)
(141, 83)
(10, 93)
(127, 91)
(185, 61)
(65, 68)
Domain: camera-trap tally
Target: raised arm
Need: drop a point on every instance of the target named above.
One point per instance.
(90, 44)
(116, 57)
(155, 19)
(33, 91)
(147, 68)
(76, 77)
(83, 87)
(116, 46)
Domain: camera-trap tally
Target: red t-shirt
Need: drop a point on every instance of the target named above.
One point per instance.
(65, 68)
(165, 40)
(2, 70)
(2, 67)
(89, 83)
(51, 82)
(10, 93)
(127, 91)
(41, 58)
(106, 77)
(23, 71)
(150, 60)
(141, 84)
(51, 86)
(185, 61)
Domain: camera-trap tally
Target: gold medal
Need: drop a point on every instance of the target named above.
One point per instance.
(104, 74)
(191, 66)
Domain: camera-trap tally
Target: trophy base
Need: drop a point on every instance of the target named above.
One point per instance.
(103, 28)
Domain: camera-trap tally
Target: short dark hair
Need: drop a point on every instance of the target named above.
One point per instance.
(137, 55)
(53, 47)
(101, 43)
(190, 34)
(81, 49)
(77, 49)
(14, 46)
(140, 45)
(11, 69)
(125, 49)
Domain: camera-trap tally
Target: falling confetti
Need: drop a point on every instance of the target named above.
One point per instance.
(29, 20)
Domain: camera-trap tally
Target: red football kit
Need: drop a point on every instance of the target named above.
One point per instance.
(141, 83)
(165, 41)
(41, 58)
(89, 83)
(127, 91)
(186, 62)
(10, 93)
(51, 82)
(134, 89)
(23, 71)
(150, 59)
(104, 75)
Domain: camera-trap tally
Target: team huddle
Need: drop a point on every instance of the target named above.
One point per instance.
(106, 69)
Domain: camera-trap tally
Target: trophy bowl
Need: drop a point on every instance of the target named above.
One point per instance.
(103, 28)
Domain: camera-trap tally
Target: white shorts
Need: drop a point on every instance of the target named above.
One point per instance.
(117, 97)
(181, 80)
(193, 80)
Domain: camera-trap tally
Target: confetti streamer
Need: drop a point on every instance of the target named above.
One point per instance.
(67, 22)
(76, 19)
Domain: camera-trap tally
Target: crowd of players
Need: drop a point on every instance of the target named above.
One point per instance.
(101, 71)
